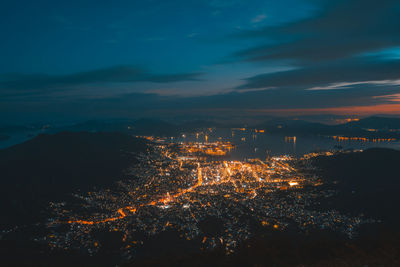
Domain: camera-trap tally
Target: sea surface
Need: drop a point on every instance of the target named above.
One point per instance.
(249, 144)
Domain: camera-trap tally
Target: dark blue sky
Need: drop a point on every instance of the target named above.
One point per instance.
(85, 59)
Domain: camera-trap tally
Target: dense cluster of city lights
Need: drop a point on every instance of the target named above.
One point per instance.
(180, 185)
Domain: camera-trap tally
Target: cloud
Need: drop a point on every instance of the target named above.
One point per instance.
(192, 35)
(343, 85)
(222, 3)
(390, 98)
(117, 74)
(340, 47)
(332, 59)
(352, 72)
(288, 98)
(259, 18)
(284, 101)
(340, 29)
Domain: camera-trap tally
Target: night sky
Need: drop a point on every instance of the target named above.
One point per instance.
(67, 60)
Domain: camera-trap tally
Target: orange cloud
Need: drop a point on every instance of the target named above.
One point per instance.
(392, 109)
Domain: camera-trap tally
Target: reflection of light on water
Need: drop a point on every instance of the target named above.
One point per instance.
(278, 144)
(363, 139)
(291, 140)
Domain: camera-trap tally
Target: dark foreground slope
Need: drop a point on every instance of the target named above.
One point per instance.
(367, 182)
(320, 249)
(49, 167)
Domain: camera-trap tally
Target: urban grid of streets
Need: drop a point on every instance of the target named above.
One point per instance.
(179, 185)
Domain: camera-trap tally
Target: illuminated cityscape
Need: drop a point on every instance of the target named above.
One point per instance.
(200, 133)
(177, 186)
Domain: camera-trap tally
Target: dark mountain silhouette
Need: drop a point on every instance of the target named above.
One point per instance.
(198, 124)
(295, 126)
(48, 167)
(355, 128)
(14, 128)
(4, 137)
(380, 123)
(100, 126)
(155, 127)
(144, 126)
(138, 127)
(368, 182)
